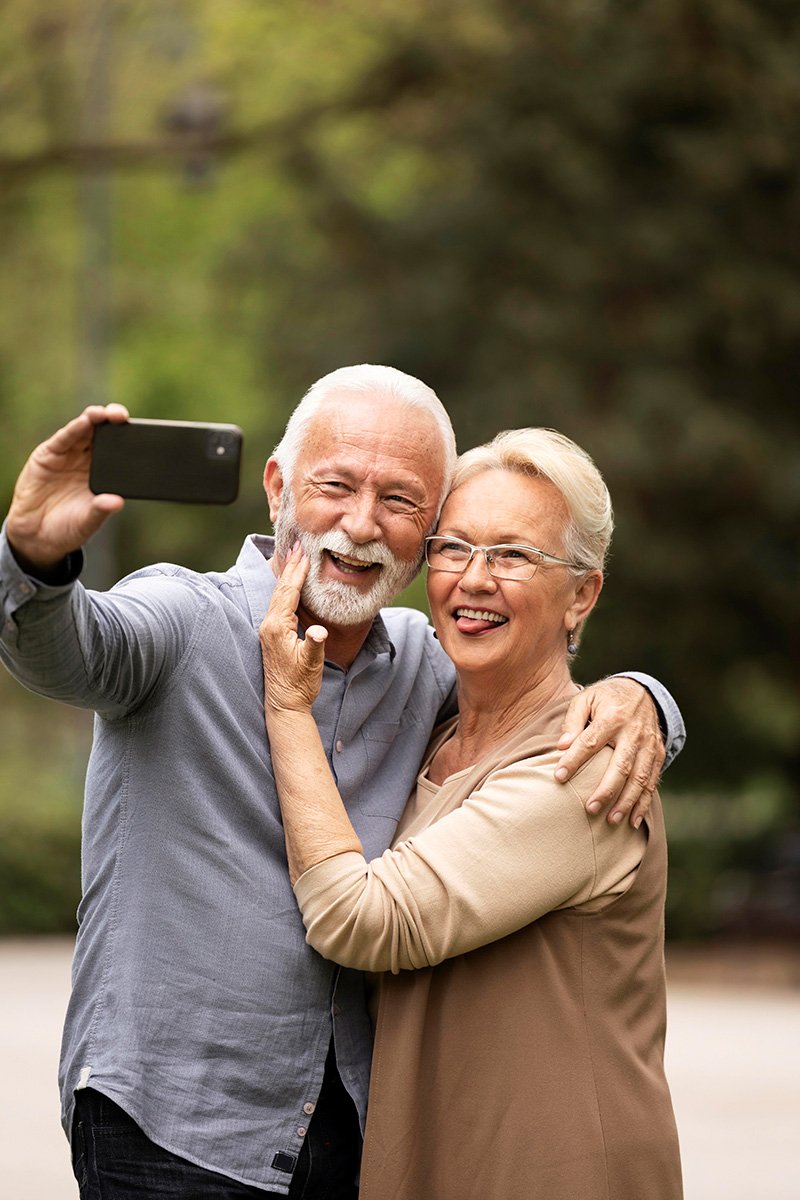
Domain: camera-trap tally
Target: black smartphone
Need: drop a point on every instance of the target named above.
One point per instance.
(187, 461)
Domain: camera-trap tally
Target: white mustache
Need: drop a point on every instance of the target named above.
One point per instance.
(337, 542)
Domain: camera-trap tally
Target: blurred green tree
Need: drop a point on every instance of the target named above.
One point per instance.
(574, 213)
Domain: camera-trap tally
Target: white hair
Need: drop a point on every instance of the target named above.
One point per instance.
(546, 454)
(379, 383)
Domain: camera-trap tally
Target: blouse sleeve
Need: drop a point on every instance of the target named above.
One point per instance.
(518, 847)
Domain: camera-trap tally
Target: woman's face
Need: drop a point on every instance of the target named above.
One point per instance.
(516, 627)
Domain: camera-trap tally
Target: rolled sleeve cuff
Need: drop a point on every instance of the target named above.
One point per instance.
(669, 715)
(18, 588)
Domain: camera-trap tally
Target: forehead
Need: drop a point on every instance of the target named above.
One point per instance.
(504, 506)
(374, 437)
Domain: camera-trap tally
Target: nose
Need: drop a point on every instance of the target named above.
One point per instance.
(359, 521)
(477, 577)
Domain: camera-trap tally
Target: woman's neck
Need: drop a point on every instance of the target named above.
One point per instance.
(488, 715)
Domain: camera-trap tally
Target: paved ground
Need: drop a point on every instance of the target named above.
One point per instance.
(733, 1063)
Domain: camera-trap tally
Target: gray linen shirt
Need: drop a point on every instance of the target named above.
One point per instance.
(197, 1004)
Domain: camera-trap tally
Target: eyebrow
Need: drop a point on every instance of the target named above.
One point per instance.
(510, 540)
(413, 487)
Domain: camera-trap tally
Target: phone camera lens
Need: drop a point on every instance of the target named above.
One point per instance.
(220, 444)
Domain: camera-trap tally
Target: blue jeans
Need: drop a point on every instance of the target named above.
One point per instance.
(113, 1160)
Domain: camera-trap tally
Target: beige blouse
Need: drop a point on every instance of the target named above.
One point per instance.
(462, 875)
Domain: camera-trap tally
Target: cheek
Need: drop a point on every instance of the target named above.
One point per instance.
(438, 589)
(404, 540)
(315, 515)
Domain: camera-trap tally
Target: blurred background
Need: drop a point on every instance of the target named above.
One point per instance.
(582, 214)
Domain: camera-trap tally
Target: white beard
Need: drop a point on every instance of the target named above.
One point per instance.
(332, 600)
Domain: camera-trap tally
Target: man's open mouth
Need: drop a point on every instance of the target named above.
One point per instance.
(351, 566)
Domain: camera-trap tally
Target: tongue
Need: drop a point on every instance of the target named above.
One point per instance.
(474, 625)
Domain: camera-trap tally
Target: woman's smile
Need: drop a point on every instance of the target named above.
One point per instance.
(474, 621)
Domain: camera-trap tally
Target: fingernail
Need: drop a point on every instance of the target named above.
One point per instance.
(637, 822)
(616, 818)
(593, 806)
(561, 774)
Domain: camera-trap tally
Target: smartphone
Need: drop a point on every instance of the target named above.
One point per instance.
(186, 461)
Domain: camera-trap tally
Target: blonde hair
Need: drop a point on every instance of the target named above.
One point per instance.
(546, 454)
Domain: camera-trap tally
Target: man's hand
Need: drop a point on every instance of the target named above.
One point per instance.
(53, 512)
(620, 713)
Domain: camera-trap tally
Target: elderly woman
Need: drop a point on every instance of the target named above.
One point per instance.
(520, 1025)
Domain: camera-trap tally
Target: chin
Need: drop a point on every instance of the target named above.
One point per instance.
(340, 603)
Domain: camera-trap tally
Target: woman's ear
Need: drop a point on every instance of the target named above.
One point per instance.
(587, 591)
(273, 486)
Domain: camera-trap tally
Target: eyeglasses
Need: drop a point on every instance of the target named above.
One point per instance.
(504, 562)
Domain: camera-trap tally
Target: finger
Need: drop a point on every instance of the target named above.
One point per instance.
(103, 506)
(577, 718)
(313, 647)
(607, 790)
(643, 805)
(80, 430)
(641, 808)
(635, 790)
(289, 585)
(584, 747)
(97, 413)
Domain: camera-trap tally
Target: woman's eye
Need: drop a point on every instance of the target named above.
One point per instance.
(515, 555)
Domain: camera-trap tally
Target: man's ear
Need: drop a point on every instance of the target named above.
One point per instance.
(273, 486)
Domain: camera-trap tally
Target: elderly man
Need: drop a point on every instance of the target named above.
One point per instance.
(208, 1051)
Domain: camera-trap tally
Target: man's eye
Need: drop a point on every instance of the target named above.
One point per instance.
(401, 501)
(335, 485)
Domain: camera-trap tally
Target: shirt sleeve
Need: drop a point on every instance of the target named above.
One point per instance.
(669, 715)
(102, 650)
(518, 847)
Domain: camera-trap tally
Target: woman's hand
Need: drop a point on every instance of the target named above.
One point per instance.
(292, 667)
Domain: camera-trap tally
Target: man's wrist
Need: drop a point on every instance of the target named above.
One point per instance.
(59, 574)
(670, 720)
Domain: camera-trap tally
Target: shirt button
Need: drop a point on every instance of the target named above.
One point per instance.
(301, 1131)
(339, 746)
(308, 1108)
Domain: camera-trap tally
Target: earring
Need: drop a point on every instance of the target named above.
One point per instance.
(572, 645)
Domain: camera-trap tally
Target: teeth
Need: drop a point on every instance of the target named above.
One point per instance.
(351, 562)
(476, 614)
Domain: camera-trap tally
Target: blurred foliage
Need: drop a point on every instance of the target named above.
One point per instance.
(41, 787)
(574, 213)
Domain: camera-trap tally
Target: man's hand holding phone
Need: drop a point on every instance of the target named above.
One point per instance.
(82, 474)
(53, 511)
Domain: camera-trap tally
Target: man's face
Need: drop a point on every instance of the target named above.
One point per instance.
(363, 494)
